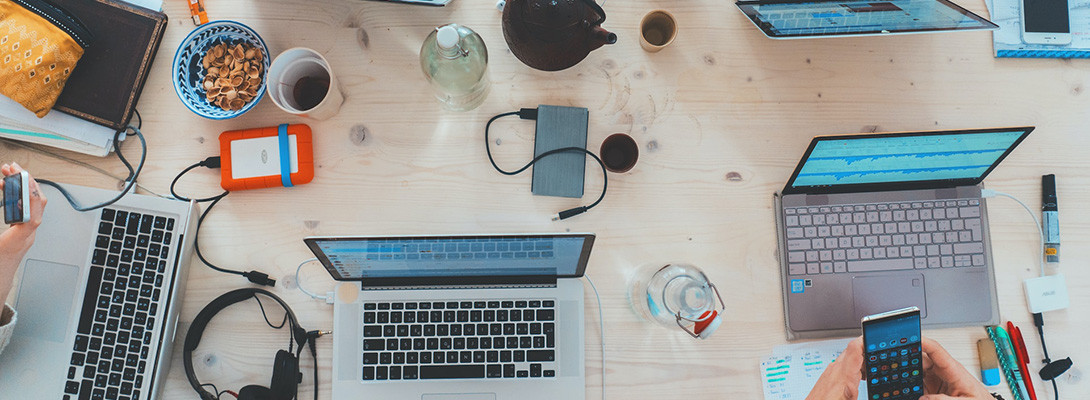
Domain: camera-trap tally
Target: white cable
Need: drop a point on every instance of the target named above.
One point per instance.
(300, 283)
(1036, 222)
(601, 333)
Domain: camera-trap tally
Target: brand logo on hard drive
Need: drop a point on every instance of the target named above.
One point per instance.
(264, 156)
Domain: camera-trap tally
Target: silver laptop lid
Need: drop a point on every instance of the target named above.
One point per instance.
(385, 261)
(901, 160)
(789, 19)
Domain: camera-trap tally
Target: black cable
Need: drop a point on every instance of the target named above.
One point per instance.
(1056, 389)
(291, 339)
(257, 277)
(139, 119)
(130, 180)
(531, 113)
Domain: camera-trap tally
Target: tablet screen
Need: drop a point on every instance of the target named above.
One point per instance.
(792, 19)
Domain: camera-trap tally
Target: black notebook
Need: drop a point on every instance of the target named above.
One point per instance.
(107, 81)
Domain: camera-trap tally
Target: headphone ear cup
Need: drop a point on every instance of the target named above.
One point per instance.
(286, 377)
(255, 392)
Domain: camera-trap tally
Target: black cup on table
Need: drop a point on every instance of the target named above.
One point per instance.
(619, 153)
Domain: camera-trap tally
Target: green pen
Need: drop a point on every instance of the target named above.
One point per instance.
(1010, 361)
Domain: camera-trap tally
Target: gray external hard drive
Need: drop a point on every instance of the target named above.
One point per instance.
(560, 174)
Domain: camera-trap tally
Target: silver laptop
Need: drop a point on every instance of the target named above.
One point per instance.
(798, 19)
(98, 298)
(475, 317)
(875, 222)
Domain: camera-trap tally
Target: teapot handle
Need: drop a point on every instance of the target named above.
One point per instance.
(597, 9)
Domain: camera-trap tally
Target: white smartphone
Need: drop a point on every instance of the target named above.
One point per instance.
(17, 198)
(1046, 22)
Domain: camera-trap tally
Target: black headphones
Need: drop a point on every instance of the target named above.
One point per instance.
(285, 377)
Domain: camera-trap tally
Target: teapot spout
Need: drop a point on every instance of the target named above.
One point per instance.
(601, 37)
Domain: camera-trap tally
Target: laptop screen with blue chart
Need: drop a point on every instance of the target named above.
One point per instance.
(363, 258)
(795, 19)
(942, 158)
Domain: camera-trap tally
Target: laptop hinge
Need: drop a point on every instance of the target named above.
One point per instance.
(459, 282)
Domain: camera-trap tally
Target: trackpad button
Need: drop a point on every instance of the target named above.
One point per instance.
(877, 294)
(45, 300)
(459, 396)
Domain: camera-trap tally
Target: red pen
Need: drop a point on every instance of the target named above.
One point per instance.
(1023, 357)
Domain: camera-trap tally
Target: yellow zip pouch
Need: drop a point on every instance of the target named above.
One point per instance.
(40, 45)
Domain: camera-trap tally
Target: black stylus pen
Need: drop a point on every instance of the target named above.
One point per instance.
(1050, 214)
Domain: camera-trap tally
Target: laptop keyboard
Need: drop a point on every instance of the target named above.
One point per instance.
(459, 340)
(884, 236)
(114, 334)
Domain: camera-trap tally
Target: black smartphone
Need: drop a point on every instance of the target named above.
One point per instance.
(16, 198)
(892, 355)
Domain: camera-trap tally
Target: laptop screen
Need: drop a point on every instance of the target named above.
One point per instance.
(787, 19)
(412, 258)
(902, 160)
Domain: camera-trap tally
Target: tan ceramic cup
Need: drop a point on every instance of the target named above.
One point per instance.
(657, 30)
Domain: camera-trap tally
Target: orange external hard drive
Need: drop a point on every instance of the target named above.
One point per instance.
(266, 157)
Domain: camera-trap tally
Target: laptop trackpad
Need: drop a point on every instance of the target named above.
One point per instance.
(459, 396)
(877, 294)
(45, 300)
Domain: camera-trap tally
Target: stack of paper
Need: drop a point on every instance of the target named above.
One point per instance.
(56, 129)
(793, 369)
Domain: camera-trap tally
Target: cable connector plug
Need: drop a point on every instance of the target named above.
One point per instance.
(211, 162)
(988, 193)
(570, 213)
(528, 113)
(260, 278)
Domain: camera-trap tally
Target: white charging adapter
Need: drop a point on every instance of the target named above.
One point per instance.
(1047, 293)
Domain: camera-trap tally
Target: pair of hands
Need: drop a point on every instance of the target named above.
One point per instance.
(17, 239)
(944, 377)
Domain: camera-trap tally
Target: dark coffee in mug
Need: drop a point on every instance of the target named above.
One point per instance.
(309, 91)
(619, 152)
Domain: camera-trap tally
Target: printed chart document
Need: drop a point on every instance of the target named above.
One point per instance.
(793, 369)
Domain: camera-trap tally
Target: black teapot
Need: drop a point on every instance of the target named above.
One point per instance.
(551, 35)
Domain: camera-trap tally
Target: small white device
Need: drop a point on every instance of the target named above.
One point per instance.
(17, 198)
(1047, 293)
(1046, 22)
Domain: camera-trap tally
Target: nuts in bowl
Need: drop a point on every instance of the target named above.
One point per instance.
(232, 75)
(215, 73)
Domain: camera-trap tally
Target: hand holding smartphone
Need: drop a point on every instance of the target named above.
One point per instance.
(17, 198)
(893, 356)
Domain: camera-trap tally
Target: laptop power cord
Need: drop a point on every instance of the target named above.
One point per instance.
(328, 298)
(601, 332)
(531, 114)
(254, 276)
(1052, 369)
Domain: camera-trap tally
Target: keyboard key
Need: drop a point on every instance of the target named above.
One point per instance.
(540, 356)
(880, 265)
(452, 371)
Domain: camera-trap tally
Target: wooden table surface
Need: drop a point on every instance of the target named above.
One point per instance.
(721, 116)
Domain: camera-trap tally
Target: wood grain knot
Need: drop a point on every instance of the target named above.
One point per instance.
(363, 38)
(311, 224)
(733, 177)
(653, 145)
(359, 135)
(709, 59)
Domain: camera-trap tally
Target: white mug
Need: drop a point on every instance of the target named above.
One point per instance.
(289, 68)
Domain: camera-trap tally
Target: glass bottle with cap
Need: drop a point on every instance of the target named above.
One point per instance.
(678, 296)
(455, 61)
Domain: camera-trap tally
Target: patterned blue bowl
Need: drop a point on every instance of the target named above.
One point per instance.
(188, 73)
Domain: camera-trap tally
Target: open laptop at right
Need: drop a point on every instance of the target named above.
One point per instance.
(796, 19)
(876, 222)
